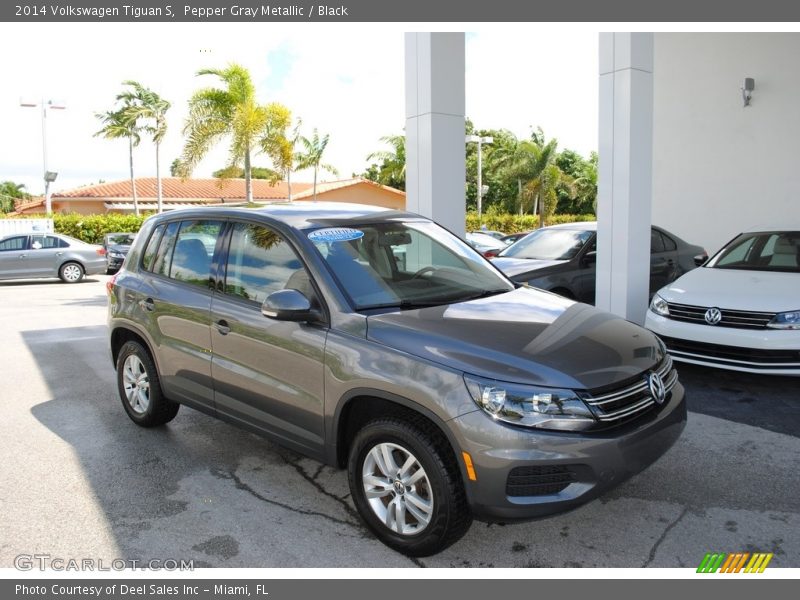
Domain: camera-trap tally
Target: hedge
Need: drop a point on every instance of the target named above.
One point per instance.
(509, 223)
(91, 228)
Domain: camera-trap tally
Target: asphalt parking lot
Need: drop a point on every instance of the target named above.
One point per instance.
(79, 480)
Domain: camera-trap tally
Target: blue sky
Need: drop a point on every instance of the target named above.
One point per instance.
(346, 81)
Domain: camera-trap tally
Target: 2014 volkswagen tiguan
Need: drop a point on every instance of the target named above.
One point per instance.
(379, 341)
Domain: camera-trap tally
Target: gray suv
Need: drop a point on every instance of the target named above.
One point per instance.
(378, 341)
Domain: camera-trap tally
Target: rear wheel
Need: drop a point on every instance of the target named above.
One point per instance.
(140, 388)
(70, 272)
(406, 486)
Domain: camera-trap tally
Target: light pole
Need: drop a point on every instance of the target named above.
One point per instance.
(49, 176)
(480, 141)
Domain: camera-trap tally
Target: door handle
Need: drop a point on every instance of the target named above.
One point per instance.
(21, 256)
(147, 304)
(223, 327)
(59, 253)
(671, 262)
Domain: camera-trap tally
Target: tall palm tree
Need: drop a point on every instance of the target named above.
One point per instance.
(118, 124)
(392, 170)
(534, 159)
(279, 145)
(148, 106)
(227, 112)
(312, 157)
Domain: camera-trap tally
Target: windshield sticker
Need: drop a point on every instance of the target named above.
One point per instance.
(335, 234)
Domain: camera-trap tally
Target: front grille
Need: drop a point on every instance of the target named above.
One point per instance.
(538, 481)
(617, 406)
(732, 354)
(739, 319)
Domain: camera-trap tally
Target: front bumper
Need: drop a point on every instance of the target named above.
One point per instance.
(114, 264)
(594, 462)
(768, 351)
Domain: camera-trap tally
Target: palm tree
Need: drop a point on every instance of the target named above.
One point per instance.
(148, 106)
(279, 146)
(227, 112)
(9, 193)
(535, 158)
(392, 170)
(312, 157)
(118, 124)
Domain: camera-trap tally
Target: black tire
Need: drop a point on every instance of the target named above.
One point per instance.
(450, 517)
(71, 272)
(159, 410)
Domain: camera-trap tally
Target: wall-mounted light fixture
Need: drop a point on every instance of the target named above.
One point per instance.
(747, 90)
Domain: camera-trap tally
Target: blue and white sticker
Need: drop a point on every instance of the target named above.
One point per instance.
(335, 234)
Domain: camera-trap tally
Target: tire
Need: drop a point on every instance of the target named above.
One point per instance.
(71, 272)
(438, 489)
(140, 389)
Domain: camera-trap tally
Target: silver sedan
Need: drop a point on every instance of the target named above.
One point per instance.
(32, 255)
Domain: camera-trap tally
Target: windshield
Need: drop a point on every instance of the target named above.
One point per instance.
(549, 244)
(122, 239)
(405, 265)
(765, 251)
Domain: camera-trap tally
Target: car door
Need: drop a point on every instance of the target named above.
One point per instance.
(268, 374)
(175, 301)
(586, 272)
(662, 262)
(13, 257)
(45, 255)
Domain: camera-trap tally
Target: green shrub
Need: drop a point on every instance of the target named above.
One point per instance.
(92, 228)
(509, 223)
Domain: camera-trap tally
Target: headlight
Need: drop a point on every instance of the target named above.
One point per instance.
(114, 254)
(787, 320)
(544, 408)
(659, 306)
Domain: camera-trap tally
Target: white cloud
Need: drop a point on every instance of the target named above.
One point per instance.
(346, 81)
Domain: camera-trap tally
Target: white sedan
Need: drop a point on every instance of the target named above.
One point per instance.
(740, 310)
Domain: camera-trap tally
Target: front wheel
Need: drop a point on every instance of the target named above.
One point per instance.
(406, 486)
(70, 272)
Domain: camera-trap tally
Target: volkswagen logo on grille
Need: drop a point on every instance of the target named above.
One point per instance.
(713, 316)
(656, 386)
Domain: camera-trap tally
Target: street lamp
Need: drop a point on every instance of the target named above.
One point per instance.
(480, 141)
(49, 176)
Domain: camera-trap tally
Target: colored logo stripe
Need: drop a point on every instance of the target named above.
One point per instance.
(734, 562)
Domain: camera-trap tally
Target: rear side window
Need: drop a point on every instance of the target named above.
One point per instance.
(15, 243)
(194, 247)
(152, 245)
(669, 243)
(656, 242)
(165, 247)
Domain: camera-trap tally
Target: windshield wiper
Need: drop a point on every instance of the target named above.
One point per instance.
(479, 295)
(406, 304)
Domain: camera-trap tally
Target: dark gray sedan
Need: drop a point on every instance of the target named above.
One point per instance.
(563, 259)
(33, 255)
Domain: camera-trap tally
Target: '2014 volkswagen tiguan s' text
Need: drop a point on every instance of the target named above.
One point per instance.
(379, 341)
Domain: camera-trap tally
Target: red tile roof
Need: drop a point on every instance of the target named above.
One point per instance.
(327, 186)
(175, 188)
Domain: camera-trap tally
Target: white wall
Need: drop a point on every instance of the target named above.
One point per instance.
(719, 167)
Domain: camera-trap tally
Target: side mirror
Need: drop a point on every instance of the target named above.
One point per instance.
(288, 305)
(700, 259)
(589, 258)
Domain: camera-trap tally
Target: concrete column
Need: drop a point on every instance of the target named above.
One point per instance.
(625, 173)
(435, 145)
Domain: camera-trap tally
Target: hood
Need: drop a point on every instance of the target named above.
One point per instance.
(512, 267)
(734, 289)
(523, 336)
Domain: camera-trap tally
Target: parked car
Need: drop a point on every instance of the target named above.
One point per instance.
(117, 246)
(563, 259)
(498, 235)
(741, 310)
(300, 325)
(512, 238)
(487, 245)
(34, 255)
